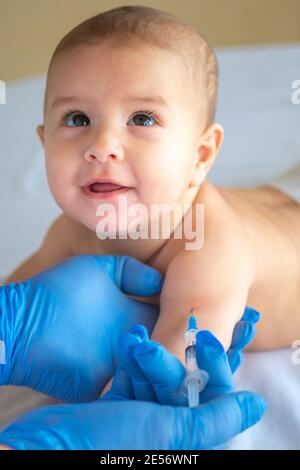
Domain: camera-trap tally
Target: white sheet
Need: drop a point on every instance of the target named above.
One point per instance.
(262, 142)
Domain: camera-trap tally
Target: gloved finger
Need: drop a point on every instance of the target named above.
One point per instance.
(121, 388)
(212, 357)
(234, 359)
(243, 334)
(136, 278)
(244, 329)
(142, 387)
(251, 315)
(218, 421)
(163, 370)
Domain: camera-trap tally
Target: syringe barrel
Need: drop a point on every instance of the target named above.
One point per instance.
(190, 350)
(190, 337)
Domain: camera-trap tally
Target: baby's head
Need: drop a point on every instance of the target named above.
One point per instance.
(130, 98)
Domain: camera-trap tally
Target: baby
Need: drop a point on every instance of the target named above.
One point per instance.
(129, 113)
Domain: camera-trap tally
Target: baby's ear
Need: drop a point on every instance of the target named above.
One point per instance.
(209, 145)
(40, 131)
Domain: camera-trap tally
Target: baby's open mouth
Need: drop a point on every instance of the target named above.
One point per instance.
(104, 187)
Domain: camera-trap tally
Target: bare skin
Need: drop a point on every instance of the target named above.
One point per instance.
(250, 257)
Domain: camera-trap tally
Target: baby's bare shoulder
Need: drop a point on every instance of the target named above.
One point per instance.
(224, 256)
(219, 234)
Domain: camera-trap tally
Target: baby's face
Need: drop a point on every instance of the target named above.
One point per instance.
(123, 115)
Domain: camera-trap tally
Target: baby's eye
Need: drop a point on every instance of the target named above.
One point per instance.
(145, 117)
(76, 119)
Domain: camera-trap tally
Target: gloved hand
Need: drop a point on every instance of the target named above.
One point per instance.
(134, 425)
(61, 327)
(147, 371)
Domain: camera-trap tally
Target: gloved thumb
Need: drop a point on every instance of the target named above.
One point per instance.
(136, 278)
(217, 421)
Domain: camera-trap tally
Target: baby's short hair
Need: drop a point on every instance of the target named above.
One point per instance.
(130, 25)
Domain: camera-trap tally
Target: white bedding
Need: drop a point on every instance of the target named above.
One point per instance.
(262, 142)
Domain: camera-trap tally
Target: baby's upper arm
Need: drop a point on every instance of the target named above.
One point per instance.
(209, 281)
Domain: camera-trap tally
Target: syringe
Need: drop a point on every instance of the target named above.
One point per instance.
(196, 379)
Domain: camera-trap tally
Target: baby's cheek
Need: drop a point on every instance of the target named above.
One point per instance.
(61, 175)
(156, 183)
(55, 169)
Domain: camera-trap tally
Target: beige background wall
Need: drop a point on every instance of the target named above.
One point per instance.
(30, 29)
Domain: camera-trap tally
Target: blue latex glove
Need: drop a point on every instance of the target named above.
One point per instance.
(149, 372)
(61, 327)
(135, 425)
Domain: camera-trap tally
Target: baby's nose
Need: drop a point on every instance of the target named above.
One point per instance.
(103, 148)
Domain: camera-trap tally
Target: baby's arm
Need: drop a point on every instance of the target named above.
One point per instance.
(55, 248)
(214, 280)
